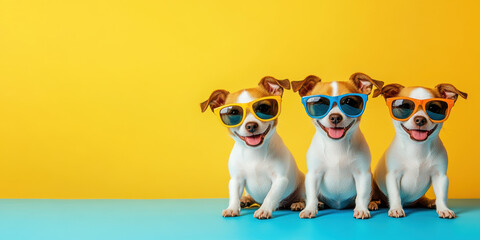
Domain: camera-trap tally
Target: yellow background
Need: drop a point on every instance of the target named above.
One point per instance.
(100, 99)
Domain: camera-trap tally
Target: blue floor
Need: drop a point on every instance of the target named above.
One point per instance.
(201, 219)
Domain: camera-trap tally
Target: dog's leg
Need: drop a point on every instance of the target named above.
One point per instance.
(272, 199)
(235, 187)
(363, 185)
(394, 200)
(311, 188)
(440, 187)
(297, 206)
(246, 201)
(425, 202)
(376, 199)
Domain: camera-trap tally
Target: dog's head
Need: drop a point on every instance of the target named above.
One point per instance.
(258, 126)
(416, 119)
(336, 124)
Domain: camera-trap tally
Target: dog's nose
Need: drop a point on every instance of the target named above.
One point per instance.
(420, 121)
(251, 126)
(335, 118)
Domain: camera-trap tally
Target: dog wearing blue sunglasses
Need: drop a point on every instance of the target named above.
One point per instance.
(338, 159)
(259, 162)
(416, 158)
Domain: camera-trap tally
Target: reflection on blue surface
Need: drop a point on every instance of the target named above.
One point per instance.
(201, 219)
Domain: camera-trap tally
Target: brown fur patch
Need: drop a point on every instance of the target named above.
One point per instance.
(325, 88)
(405, 92)
(255, 93)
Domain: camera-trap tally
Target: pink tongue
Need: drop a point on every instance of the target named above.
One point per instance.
(336, 132)
(419, 135)
(254, 140)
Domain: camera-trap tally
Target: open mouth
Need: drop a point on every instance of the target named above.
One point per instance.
(419, 135)
(336, 132)
(254, 140)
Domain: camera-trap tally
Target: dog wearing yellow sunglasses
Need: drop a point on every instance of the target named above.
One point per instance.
(416, 157)
(259, 162)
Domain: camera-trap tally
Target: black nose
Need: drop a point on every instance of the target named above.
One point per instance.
(420, 121)
(335, 118)
(251, 126)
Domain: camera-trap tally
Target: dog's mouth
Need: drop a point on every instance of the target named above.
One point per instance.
(336, 132)
(254, 140)
(419, 135)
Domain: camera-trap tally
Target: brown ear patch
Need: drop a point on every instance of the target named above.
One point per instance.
(274, 86)
(216, 99)
(450, 92)
(365, 83)
(305, 86)
(390, 90)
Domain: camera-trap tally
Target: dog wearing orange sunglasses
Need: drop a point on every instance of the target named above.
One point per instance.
(259, 162)
(416, 157)
(338, 160)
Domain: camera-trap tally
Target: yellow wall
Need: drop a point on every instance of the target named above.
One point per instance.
(100, 99)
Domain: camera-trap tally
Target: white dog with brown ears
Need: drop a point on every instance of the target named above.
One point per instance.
(259, 162)
(338, 159)
(416, 158)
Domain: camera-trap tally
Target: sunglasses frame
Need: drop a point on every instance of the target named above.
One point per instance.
(422, 103)
(249, 106)
(336, 99)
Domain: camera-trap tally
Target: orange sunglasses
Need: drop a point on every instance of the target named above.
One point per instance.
(437, 109)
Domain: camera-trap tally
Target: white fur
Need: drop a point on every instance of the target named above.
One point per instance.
(406, 170)
(338, 170)
(268, 172)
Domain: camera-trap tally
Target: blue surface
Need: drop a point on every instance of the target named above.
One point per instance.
(201, 219)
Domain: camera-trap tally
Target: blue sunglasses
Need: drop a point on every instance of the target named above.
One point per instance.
(351, 104)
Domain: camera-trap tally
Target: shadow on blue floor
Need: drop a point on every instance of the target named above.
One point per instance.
(201, 219)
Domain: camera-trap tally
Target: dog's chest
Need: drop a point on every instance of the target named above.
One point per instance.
(415, 179)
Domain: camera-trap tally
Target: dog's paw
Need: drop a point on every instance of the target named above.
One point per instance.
(297, 206)
(262, 213)
(308, 213)
(321, 205)
(230, 212)
(246, 201)
(431, 204)
(396, 213)
(361, 213)
(373, 205)
(446, 213)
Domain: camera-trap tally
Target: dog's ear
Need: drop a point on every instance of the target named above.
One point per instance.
(306, 85)
(216, 99)
(448, 91)
(390, 90)
(273, 85)
(365, 84)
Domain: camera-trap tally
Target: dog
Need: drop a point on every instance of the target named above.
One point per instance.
(416, 158)
(259, 162)
(338, 159)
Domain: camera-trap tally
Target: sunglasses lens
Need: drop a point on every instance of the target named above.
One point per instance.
(231, 115)
(318, 106)
(352, 105)
(436, 110)
(402, 108)
(266, 109)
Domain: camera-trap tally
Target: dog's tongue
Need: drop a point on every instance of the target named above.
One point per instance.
(419, 135)
(253, 140)
(336, 132)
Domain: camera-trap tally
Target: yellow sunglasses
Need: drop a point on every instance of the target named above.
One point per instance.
(264, 109)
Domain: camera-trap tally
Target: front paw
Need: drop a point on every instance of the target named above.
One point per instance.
(230, 212)
(262, 213)
(396, 212)
(308, 213)
(361, 213)
(446, 213)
